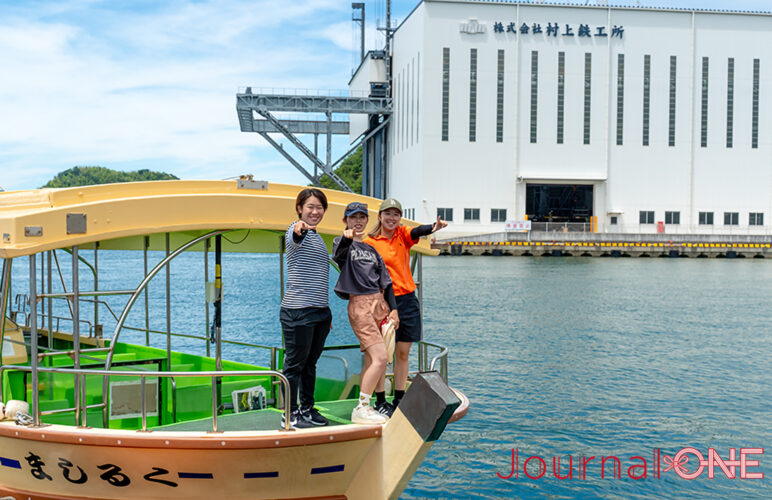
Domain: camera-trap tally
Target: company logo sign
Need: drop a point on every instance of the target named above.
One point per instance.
(472, 27)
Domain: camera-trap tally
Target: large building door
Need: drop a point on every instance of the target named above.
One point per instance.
(558, 202)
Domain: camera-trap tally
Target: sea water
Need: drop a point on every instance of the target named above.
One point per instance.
(563, 359)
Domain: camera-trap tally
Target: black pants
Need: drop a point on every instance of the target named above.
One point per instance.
(305, 331)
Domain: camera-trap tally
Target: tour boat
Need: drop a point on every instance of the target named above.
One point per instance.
(114, 420)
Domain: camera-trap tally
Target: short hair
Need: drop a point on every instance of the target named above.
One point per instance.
(306, 194)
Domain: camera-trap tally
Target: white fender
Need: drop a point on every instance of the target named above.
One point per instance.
(13, 407)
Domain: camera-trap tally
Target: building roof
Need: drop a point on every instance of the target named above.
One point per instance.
(607, 6)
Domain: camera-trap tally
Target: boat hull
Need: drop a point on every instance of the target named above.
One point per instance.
(273, 465)
(345, 461)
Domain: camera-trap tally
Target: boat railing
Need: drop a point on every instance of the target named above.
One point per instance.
(22, 302)
(82, 408)
(43, 316)
(425, 363)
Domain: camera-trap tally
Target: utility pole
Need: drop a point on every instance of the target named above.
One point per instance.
(388, 46)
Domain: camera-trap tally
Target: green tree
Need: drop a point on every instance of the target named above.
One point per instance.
(350, 171)
(86, 176)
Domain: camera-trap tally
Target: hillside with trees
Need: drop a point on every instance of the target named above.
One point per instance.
(350, 170)
(86, 176)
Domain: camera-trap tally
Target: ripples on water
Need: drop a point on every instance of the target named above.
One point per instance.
(599, 357)
(559, 357)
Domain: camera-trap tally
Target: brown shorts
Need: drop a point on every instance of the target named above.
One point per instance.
(365, 312)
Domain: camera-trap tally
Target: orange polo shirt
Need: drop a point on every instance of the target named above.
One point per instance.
(396, 254)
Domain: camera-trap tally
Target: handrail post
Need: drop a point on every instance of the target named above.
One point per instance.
(215, 405)
(144, 410)
(5, 291)
(206, 280)
(83, 400)
(34, 341)
(273, 367)
(76, 326)
(145, 245)
(50, 303)
(96, 283)
(168, 311)
(174, 399)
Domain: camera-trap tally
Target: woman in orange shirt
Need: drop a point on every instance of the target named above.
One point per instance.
(393, 241)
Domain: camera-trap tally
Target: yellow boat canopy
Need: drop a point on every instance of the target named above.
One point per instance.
(119, 216)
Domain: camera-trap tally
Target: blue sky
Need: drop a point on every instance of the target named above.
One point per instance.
(147, 84)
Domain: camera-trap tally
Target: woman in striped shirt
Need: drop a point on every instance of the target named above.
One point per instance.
(305, 313)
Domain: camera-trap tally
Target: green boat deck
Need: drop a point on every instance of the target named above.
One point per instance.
(181, 404)
(269, 419)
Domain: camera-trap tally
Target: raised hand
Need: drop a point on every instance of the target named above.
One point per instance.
(439, 224)
(301, 227)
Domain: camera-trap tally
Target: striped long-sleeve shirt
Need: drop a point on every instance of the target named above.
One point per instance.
(308, 271)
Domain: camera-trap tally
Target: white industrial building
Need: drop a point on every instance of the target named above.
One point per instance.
(615, 119)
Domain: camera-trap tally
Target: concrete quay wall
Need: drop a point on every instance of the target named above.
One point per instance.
(609, 245)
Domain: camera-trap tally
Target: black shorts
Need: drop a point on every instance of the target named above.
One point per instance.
(409, 318)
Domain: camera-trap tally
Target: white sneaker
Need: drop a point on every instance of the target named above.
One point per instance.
(367, 415)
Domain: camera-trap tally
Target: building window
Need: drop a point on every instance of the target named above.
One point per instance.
(672, 109)
(620, 97)
(445, 91)
(445, 214)
(561, 93)
(397, 113)
(587, 95)
(672, 217)
(646, 90)
(472, 95)
(755, 118)
(730, 102)
(613, 220)
(755, 219)
(405, 108)
(500, 99)
(498, 214)
(417, 99)
(706, 218)
(472, 214)
(704, 120)
(646, 217)
(731, 218)
(403, 116)
(534, 92)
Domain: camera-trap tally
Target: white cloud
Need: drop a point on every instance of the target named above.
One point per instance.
(154, 87)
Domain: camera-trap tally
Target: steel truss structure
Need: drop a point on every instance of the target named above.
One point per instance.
(255, 115)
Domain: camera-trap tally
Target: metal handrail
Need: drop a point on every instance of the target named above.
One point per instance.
(143, 374)
(442, 358)
(342, 360)
(58, 320)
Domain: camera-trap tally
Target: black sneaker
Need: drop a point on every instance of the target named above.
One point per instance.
(313, 416)
(384, 409)
(297, 420)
